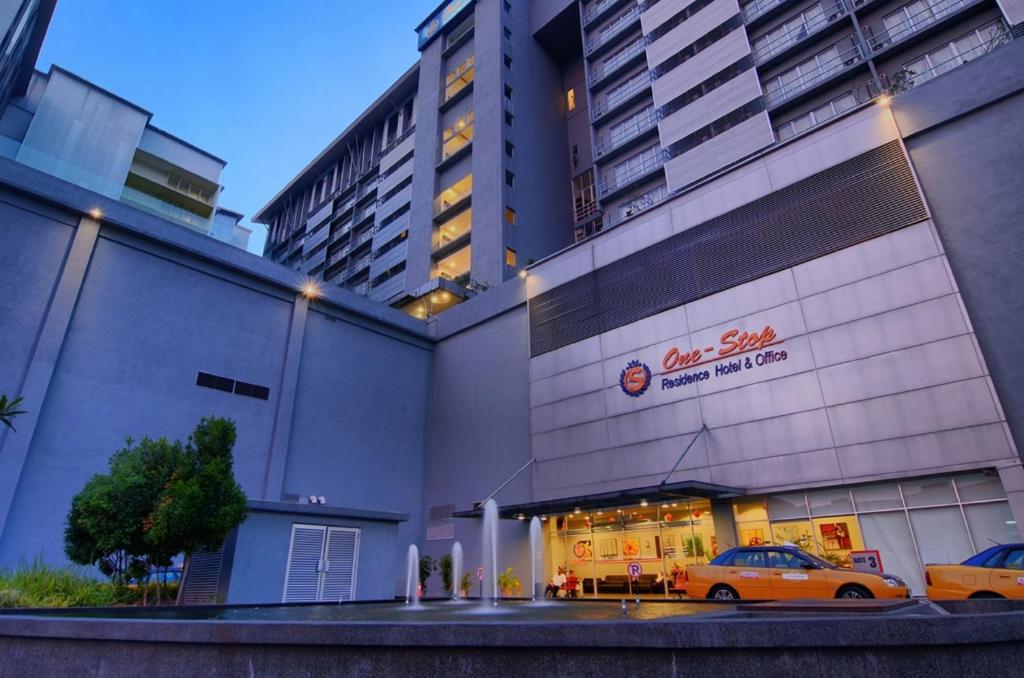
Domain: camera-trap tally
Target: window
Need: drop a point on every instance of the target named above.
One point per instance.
(1014, 560)
(507, 32)
(508, 93)
(455, 193)
(570, 98)
(507, 6)
(841, 103)
(749, 559)
(458, 136)
(454, 229)
(459, 77)
(508, 62)
(957, 52)
(460, 30)
(510, 149)
(510, 179)
(813, 70)
(510, 216)
(797, 28)
(785, 559)
(227, 385)
(510, 257)
(509, 119)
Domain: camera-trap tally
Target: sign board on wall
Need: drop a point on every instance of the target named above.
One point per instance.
(431, 28)
(867, 561)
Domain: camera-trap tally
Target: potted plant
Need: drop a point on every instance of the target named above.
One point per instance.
(509, 583)
(466, 583)
(444, 566)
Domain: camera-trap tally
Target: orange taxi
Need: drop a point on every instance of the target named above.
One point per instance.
(996, 572)
(785, 572)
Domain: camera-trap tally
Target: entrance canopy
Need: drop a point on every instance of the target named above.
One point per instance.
(652, 494)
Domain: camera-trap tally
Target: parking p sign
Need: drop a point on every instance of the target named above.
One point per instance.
(867, 561)
(635, 570)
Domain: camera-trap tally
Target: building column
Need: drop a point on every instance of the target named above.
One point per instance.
(724, 521)
(54, 328)
(1012, 477)
(277, 457)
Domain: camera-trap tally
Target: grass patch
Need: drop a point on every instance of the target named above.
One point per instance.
(40, 585)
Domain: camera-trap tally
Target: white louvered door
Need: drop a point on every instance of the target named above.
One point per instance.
(305, 564)
(322, 563)
(341, 557)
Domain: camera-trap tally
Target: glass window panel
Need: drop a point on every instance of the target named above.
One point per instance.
(785, 559)
(785, 132)
(749, 559)
(918, 66)
(837, 536)
(943, 59)
(787, 506)
(877, 497)
(845, 103)
(1014, 560)
(799, 533)
(991, 524)
(822, 113)
(889, 534)
(928, 492)
(941, 535)
(830, 502)
(992, 31)
(979, 487)
(749, 508)
(802, 123)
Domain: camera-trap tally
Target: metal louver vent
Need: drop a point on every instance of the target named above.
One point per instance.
(302, 580)
(201, 583)
(340, 575)
(857, 200)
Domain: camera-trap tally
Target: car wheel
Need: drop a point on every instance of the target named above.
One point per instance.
(853, 593)
(721, 592)
(984, 594)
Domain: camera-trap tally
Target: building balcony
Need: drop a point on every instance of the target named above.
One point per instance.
(453, 198)
(788, 90)
(358, 266)
(459, 78)
(639, 128)
(617, 182)
(596, 11)
(774, 49)
(610, 33)
(631, 55)
(759, 9)
(398, 140)
(360, 288)
(917, 22)
(619, 98)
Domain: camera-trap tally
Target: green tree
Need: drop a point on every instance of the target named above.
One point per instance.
(9, 410)
(444, 566)
(160, 498)
(426, 567)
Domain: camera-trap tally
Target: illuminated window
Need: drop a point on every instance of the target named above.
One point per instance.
(458, 191)
(510, 216)
(510, 257)
(456, 137)
(453, 229)
(457, 79)
(455, 266)
(571, 98)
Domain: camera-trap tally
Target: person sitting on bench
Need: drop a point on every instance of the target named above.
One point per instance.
(556, 583)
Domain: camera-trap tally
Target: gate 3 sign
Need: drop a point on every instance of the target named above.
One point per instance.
(637, 377)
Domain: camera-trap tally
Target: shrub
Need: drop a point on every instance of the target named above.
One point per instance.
(39, 585)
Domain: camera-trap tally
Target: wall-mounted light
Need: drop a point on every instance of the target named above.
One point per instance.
(523, 273)
(311, 290)
(96, 213)
(884, 100)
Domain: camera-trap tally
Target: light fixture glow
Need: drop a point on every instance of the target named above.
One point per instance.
(311, 290)
(643, 502)
(884, 100)
(576, 510)
(523, 273)
(96, 213)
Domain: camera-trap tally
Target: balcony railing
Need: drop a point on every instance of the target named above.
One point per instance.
(596, 9)
(358, 265)
(913, 78)
(603, 70)
(615, 180)
(614, 29)
(627, 133)
(766, 50)
(619, 97)
(458, 79)
(362, 288)
(915, 22)
(814, 75)
(752, 10)
(399, 139)
(452, 196)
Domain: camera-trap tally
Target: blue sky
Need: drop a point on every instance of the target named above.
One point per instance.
(263, 84)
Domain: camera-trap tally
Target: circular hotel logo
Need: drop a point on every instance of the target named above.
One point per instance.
(635, 379)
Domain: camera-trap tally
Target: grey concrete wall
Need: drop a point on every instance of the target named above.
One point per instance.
(257, 578)
(148, 305)
(479, 432)
(962, 134)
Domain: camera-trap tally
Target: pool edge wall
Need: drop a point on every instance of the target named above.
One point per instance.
(935, 646)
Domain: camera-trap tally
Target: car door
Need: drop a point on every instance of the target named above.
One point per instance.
(748, 574)
(1007, 578)
(794, 577)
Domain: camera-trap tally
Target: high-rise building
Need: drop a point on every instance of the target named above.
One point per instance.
(526, 126)
(72, 129)
(23, 25)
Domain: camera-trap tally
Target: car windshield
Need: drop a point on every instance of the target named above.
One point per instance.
(980, 559)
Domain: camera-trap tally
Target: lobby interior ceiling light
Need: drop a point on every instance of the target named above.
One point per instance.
(643, 502)
(576, 510)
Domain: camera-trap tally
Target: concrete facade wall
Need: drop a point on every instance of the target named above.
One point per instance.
(147, 305)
